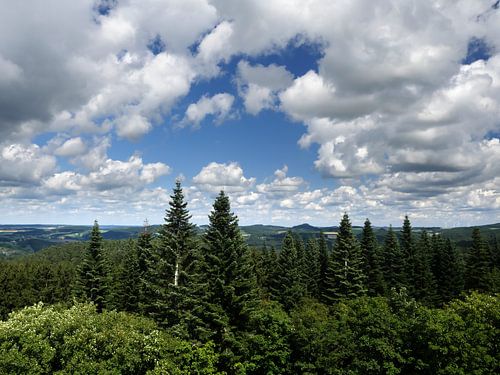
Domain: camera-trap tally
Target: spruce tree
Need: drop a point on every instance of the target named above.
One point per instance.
(393, 262)
(451, 281)
(312, 271)
(424, 282)
(171, 273)
(129, 280)
(478, 265)
(408, 251)
(93, 275)
(372, 262)
(231, 288)
(287, 287)
(345, 277)
(324, 256)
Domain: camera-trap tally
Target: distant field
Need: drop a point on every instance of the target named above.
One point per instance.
(17, 240)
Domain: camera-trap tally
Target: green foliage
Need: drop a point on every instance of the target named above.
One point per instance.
(92, 281)
(394, 266)
(52, 340)
(266, 349)
(359, 336)
(462, 338)
(345, 277)
(372, 262)
(424, 283)
(230, 290)
(288, 287)
(479, 264)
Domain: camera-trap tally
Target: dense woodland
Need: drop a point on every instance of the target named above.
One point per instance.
(176, 302)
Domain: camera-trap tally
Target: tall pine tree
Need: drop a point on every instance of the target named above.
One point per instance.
(478, 265)
(345, 277)
(231, 287)
(393, 262)
(171, 275)
(288, 287)
(424, 282)
(372, 263)
(93, 275)
(408, 251)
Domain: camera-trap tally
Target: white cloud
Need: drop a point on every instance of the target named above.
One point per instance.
(72, 147)
(218, 106)
(215, 177)
(24, 164)
(132, 127)
(259, 85)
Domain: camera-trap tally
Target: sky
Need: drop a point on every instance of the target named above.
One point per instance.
(300, 110)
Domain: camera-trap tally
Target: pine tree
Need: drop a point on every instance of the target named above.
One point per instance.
(324, 256)
(424, 282)
(288, 287)
(312, 271)
(345, 277)
(478, 264)
(393, 262)
(129, 282)
(269, 264)
(372, 262)
(171, 271)
(231, 288)
(92, 278)
(408, 251)
(451, 281)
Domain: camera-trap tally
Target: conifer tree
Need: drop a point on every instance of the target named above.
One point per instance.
(313, 268)
(372, 262)
(231, 290)
(424, 282)
(92, 278)
(394, 262)
(345, 277)
(450, 281)
(408, 251)
(129, 280)
(171, 270)
(287, 287)
(478, 265)
(323, 264)
(269, 264)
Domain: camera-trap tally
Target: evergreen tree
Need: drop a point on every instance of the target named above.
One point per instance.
(92, 280)
(478, 264)
(269, 264)
(288, 288)
(424, 282)
(345, 277)
(451, 281)
(312, 271)
(171, 273)
(394, 262)
(408, 251)
(372, 263)
(323, 265)
(231, 292)
(129, 281)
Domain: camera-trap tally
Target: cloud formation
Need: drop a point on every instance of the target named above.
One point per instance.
(403, 112)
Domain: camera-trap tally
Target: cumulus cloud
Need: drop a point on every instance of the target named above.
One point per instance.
(71, 147)
(24, 164)
(259, 85)
(218, 106)
(215, 177)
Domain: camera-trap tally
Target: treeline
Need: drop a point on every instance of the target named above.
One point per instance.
(359, 307)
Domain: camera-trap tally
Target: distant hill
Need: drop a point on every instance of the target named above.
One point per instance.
(17, 240)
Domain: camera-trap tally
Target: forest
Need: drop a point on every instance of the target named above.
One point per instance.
(181, 302)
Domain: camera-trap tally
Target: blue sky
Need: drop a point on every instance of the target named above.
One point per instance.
(299, 111)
